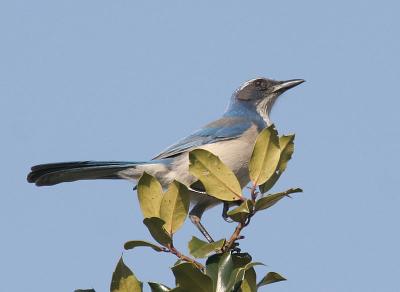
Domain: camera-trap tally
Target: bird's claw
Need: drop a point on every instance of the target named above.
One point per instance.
(227, 219)
(225, 213)
(236, 250)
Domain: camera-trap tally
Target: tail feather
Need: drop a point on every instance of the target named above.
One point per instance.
(54, 173)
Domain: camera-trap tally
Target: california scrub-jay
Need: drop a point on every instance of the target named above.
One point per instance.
(231, 138)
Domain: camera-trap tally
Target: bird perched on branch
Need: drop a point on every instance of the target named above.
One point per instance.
(231, 138)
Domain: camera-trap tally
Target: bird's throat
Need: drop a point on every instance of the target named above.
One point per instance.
(264, 109)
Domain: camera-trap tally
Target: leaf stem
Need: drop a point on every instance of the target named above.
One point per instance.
(253, 192)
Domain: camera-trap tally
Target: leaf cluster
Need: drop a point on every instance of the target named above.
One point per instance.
(226, 268)
(223, 272)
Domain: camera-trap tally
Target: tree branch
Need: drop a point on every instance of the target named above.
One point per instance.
(185, 258)
(242, 224)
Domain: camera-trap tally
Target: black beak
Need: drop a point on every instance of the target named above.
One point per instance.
(285, 85)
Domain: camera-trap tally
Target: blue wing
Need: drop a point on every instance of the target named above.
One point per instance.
(223, 129)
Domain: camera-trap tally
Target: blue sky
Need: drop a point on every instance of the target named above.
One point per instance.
(118, 80)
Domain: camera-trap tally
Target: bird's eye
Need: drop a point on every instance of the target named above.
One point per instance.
(258, 83)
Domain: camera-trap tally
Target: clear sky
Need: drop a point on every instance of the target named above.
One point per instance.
(118, 80)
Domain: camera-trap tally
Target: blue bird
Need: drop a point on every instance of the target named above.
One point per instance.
(231, 138)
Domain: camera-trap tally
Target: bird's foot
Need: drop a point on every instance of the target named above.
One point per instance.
(235, 248)
(225, 210)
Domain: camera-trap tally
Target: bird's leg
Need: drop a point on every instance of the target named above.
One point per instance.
(226, 207)
(197, 211)
(225, 210)
(196, 221)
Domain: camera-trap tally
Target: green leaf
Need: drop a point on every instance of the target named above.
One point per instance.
(218, 180)
(123, 280)
(249, 283)
(286, 144)
(241, 259)
(190, 278)
(265, 157)
(201, 249)
(270, 278)
(157, 287)
(157, 230)
(225, 269)
(175, 206)
(150, 194)
(238, 274)
(287, 148)
(178, 262)
(270, 200)
(212, 268)
(265, 187)
(241, 212)
(135, 243)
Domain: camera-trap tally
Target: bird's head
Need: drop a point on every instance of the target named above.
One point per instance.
(260, 94)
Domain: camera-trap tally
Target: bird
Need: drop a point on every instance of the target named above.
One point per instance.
(231, 138)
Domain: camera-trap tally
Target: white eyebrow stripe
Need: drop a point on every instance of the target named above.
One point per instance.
(246, 83)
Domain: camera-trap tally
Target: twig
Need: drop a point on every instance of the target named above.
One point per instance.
(235, 235)
(242, 224)
(183, 257)
(253, 192)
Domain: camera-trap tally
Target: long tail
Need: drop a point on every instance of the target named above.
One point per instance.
(55, 173)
